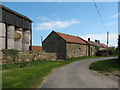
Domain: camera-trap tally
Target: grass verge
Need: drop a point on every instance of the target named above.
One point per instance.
(31, 74)
(106, 65)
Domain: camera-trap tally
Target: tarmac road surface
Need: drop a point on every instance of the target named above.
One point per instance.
(78, 75)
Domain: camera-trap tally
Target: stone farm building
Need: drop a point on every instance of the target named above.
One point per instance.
(101, 46)
(67, 46)
(91, 48)
(15, 30)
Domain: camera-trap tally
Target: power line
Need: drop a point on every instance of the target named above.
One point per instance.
(101, 21)
(99, 15)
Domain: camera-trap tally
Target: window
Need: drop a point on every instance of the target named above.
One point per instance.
(79, 49)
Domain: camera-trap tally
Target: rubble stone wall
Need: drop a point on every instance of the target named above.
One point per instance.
(27, 56)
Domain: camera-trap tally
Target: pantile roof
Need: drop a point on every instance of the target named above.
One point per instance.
(36, 48)
(70, 38)
(89, 42)
(97, 44)
(102, 44)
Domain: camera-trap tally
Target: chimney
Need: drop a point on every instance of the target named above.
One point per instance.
(96, 41)
(88, 39)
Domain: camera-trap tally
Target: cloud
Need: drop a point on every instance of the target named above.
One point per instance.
(42, 18)
(111, 23)
(116, 15)
(56, 24)
(102, 37)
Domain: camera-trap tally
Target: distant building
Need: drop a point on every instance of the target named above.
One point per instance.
(97, 43)
(36, 48)
(91, 48)
(15, 30)
(101, 46)
(65, 46)
(104, 46)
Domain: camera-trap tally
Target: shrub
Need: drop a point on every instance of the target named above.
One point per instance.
(111, 51)
(102, 53)
(97, 48)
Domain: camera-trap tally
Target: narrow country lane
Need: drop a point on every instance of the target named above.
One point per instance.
(78, 75)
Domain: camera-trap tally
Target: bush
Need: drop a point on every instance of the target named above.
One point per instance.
(102, 53)
(111, 51)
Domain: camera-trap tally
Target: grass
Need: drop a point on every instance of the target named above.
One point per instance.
(106, 65)
(31, 74)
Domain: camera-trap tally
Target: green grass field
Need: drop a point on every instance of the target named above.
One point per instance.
(106, 65)
(30, 74)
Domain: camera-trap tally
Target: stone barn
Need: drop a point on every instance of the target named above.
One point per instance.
(105, 47)
(64, 45)
(101, 46)
(15, 30)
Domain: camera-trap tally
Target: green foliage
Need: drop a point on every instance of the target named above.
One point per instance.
(39, 62)
(111, 51)
(106, 65)
(102, 53)
(97, 48)
(10, 54)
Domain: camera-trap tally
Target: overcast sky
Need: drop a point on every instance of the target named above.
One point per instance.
(79, 19)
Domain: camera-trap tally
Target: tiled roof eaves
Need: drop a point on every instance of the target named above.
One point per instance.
(77, 43)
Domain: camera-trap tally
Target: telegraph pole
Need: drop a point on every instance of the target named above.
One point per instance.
(41, 40)
(107, 38)
(119, 48)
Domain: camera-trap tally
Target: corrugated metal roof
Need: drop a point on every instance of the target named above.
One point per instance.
(71, 38)
(14, 12)
(11, 17)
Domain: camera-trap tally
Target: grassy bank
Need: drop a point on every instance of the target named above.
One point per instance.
(106, 65)
(30, 74)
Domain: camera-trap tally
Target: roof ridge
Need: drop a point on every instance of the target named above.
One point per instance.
(66, 34)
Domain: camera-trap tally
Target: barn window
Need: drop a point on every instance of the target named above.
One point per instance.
(79, 49)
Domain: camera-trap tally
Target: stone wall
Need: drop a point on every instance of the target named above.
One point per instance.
(92, 50)
(29, 56)
(102, 48)
(76, 50)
